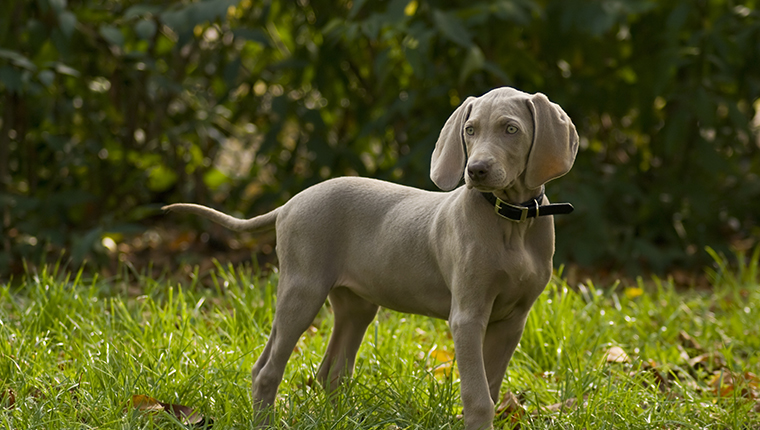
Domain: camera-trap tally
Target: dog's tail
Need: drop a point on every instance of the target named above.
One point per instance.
(256, 224)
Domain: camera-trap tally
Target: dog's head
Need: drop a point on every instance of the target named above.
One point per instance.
(508, 136)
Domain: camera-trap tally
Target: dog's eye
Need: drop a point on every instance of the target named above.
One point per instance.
(511, 129)
(470, 130)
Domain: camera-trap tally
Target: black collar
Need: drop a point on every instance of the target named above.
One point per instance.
(530, 209)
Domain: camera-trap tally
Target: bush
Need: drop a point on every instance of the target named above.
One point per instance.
(110, 109)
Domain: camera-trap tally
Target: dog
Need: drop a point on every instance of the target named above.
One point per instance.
(477, 256)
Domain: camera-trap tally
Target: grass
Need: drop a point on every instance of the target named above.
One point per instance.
(74, 352)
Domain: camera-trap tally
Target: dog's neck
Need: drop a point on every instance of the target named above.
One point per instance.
(518, 194)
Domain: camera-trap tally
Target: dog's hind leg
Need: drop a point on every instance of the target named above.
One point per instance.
(353, 315)
(298, 302)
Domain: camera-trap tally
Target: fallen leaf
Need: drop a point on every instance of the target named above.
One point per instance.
(633, 292)
(443, 369)
(557, 407)
(752, 380)
(683, 354)
(441, 356)
(146, 403)
(8, 398)
(185, 414)
(182, 242)
(443, 362)
(709, 361)
(616, 355)
(688, 341)
(660, 378)
(724, 383)
(510, 408)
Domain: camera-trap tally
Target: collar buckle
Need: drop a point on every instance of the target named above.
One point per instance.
(523, 210)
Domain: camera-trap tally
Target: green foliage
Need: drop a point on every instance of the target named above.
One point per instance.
(110, 109)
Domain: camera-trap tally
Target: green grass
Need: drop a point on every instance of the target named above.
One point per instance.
(73, 352)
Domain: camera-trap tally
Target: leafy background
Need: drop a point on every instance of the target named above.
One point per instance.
(112, 108)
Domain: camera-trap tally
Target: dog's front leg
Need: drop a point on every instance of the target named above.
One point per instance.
(468, 329)
(500, 342)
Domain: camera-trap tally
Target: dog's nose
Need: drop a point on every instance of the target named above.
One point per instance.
(477, 170)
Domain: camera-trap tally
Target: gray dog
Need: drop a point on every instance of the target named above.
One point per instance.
(478, 256)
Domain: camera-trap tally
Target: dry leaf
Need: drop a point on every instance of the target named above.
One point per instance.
(8, 398)
(616, 355)
(688, 341)
(185, 414)
(510, 408)
(709, 361)
(752, 379)
(146, 403)
(182, 242)
(443, 362)
(557, 407)
(661, 380)
(441, 356)
(633, 292)
(443, 369)
(683, 354)
(724, 383)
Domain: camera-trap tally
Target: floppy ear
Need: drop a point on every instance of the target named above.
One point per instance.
(555, 142)
(447, 164)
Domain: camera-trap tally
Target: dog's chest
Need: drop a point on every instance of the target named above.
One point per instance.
(522, 275)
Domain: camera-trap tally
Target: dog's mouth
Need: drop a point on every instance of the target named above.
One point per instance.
(485, 187)
(481, 188)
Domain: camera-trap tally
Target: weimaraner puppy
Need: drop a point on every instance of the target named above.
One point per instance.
(478, 256)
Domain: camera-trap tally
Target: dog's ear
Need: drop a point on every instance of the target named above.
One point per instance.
(447, 164)
(555, 142)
